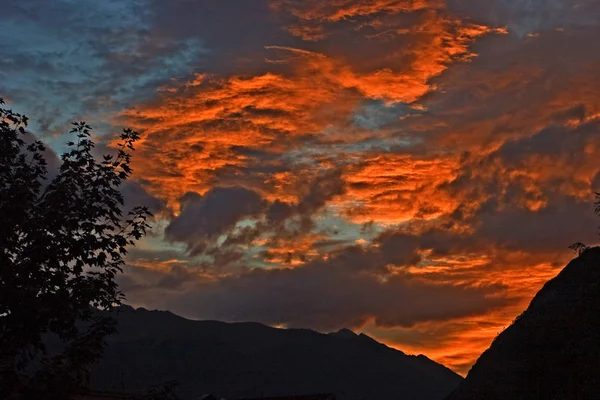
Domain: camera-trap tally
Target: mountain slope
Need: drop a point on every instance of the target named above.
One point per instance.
(249, 360)
(552, 351)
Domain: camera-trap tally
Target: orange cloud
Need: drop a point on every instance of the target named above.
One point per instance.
(336, 10)
(499, 152)
(459, 342)
(425, 47)
(190, 131)
(214, 113)
(391, 189)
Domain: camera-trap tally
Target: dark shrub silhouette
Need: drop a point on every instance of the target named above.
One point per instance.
(62, 242)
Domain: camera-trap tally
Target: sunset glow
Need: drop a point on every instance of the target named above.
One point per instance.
(411, 169)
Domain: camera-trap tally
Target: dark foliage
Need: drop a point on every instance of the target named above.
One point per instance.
(62, 242)
(579, 247)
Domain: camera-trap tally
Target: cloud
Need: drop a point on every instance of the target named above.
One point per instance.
(421, 165)
(526, 17)
(518, 195)
(84, 59)
(463, 148)
(596, 183)
(326, 295)
(395, 188)
(337, 10)
(221, 127)
(416, 41)
(514, 88)
(227, 219)
(134, 195)
(206, 217)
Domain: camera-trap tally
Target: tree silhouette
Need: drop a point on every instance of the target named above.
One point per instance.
(579, 247)
(62, 243)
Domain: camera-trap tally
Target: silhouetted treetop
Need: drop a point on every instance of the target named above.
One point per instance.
(62, 244)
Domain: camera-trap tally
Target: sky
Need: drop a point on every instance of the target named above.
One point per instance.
(411, 169)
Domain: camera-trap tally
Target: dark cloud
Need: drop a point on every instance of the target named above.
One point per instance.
(596, 183)
(558, 142)
(134, 195)
(564, 221)
(325, 295)
(320, 190)
(228, 50)
(204, 218)
(279, 211)
(329, 300)
(139, 281)
(526, 17)
(533, 193)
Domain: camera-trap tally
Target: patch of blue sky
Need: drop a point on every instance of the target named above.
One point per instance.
(155, 247)
(350, 153)
(246, 223)
(253, 258)
(338, 233)
(156, 241)
(376, 114)
(84, 60)
(526, 17)
(383, 120)
(342, 230)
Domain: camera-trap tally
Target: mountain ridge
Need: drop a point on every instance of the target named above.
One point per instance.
(249, 359)
(552, 350)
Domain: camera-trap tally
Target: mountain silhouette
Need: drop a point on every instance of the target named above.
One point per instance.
(552, 351)
(246, 360)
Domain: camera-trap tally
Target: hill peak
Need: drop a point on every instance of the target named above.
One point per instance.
(552, 350)
(344, 333)
(246, 360)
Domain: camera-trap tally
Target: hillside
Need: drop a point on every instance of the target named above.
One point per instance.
(552, 351)
(249, 360)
